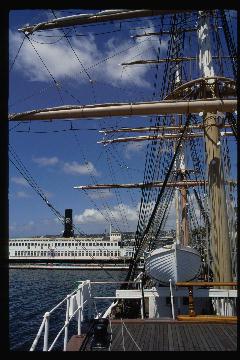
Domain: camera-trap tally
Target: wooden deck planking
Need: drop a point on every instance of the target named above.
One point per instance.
(174, 336)
(153, 337)
(140, 336)
(193, 330)
(214, 334)
(208, 337)
(229, 342)
(232, 330)
(170, 338)
(191, 341)
(117, 338)
(201, 338)
(144, 340)
(178, 337)
(135, 331)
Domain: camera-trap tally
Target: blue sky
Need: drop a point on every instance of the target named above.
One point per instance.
(59, 158)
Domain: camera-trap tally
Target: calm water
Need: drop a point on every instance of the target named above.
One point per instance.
(33, 292)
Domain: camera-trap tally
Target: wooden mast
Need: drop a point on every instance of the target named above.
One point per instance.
(219, 233)
(183, 198)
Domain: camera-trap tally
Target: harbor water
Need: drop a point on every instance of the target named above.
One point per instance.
(32, 292)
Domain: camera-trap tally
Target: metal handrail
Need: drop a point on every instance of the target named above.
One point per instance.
(46, 318)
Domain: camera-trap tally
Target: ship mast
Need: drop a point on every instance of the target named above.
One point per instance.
(219, 234)
(209, 105)
(184, 239)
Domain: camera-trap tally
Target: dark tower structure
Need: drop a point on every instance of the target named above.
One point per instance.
(68, 230)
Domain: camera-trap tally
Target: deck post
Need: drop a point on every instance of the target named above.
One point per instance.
(172, 299)
(142, 300)
(66, 324)
(191, 311)
(45, 343)
(80, 297)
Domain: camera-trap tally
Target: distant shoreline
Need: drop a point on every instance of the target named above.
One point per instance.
(70, 266)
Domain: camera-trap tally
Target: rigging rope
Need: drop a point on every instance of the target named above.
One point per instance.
(143, 238)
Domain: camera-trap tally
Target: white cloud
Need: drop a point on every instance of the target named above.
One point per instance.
(100, 194)
(22, 194)
(89, 216)
(134, 147)
(62, 63)
(94, 218)
(80, 169)
(48, 194)
(93, 215)
(43, 161)
(21, 228)
(19, 180)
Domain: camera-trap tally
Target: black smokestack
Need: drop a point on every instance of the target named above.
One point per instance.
(68, 230)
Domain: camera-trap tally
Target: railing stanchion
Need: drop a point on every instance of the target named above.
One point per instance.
(66, 324)
(80, 297)
(45, 343)
(172, 302)
(90, 305)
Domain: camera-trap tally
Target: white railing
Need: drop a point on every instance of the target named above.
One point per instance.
(75, 303)
(224, 303)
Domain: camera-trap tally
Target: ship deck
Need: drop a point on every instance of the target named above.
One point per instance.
(167, 335)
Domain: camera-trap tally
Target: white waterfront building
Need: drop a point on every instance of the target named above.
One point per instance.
(106, 248)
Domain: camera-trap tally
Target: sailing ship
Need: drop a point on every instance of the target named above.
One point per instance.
(188, 161)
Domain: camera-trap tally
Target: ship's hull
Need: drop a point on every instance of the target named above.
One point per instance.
(179, 263)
